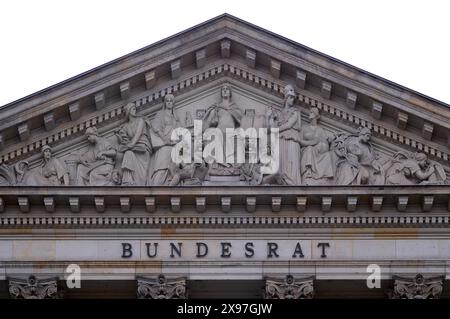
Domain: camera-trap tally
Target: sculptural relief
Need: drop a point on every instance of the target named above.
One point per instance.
(162, 126)
(357, 163)
(316, 161)
(52, 172)
(135, 148)
(289, 124)
(140, 152)
(95, 166)
(410, 169)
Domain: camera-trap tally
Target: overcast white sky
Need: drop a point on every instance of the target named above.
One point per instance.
(44, 42)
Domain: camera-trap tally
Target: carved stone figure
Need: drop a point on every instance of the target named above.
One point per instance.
(289, 125)
(289, 288)
(188, 174)
(417, 287)
(33, 288)
(95, 166)
(161, 288)
(409, 169)
(316, 162)
(225, 114)
(16, 174)
(357, 163)
(52, 171)
(135, 145)
(162, 126)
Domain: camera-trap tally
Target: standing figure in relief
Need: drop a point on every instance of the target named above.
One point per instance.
(357, 164)
(316, 162)
(163, 125)
(52, 171)
(289, 125)
(97, 163)
(135, 145)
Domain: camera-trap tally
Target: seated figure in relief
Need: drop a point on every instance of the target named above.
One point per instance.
(316, 161)
(95, 166)
(161, 132)
(135, 148)
(409, 169)
(52, 171)
(357, 163)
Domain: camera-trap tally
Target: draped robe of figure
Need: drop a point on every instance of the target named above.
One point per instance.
(357, 166)
(97, 172)
(162, 165)
(290, 147)
(50, 173)
(316, 162)
(136, 161)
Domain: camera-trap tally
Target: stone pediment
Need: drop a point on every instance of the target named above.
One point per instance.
(406, 133)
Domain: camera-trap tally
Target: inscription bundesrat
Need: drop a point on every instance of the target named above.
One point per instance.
(221, 249)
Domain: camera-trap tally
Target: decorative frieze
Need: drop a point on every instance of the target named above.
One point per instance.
(161, 288)
(289, 288)
(417, 287)
(33, 288)
(397, 136)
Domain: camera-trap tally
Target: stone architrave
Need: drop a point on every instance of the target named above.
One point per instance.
(289, 288)
(161, 288)
(33, 288)
(417, 287)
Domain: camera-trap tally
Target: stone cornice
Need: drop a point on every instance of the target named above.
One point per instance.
(233, 205)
